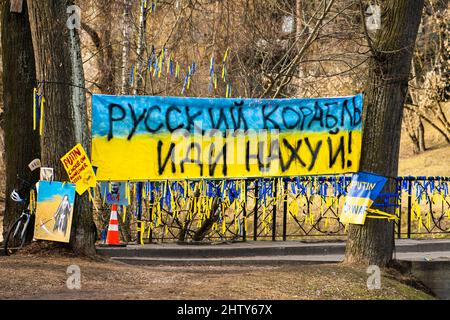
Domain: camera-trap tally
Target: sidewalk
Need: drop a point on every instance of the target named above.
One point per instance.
(265, 253)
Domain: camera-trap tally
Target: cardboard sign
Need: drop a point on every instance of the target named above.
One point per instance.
(363, 190)
(114, 193)
(79, 169)
(54, 211)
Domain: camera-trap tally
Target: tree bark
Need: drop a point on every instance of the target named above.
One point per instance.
(140, 50)
(19, 78)
(59, 67)
(108, 71)
(125, 83)
(416, 130)
(386, 89)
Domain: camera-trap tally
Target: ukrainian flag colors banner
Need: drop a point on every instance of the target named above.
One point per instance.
(363, 191)
(138, 138)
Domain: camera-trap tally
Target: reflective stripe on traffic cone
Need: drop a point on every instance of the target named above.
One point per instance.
(112, 237)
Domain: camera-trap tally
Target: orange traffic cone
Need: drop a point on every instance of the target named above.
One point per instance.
(112, 238)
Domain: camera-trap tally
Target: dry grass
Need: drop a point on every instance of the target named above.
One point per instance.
(433, 162)
(44, 277)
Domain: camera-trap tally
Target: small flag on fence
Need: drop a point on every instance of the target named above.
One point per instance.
(363, 190)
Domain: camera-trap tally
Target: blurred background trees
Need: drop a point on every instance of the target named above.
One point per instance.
(275, 48)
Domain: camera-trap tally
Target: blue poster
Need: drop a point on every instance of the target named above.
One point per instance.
(54, 211)
(363, 191)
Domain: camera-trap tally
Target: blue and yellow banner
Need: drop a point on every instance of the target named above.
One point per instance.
(138, 138)
(363, 191)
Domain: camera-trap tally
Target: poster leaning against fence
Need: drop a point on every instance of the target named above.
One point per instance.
(137, 138)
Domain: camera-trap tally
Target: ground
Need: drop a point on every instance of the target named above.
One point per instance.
(432, 162)
(43, 276)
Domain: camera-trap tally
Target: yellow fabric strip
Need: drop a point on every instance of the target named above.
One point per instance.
(382, 215)
(379, 212)
(41, 122)
(34, 108)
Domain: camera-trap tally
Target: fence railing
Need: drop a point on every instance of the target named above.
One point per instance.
(425, 204)
(279, 209)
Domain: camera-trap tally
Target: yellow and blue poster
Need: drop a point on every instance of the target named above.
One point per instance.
(114, 193)
(54, 211)
(363, 191)
(139, 138)
(79, 169)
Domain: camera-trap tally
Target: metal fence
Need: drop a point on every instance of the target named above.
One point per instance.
(424, 206)
(277, 209)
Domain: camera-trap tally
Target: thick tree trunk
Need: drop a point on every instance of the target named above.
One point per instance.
(19, 78)
(59, 66)
(385, 94)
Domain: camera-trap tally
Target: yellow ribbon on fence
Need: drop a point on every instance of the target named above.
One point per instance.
(224, 225)
(92, 199)
(141, 230)
(127, 192)
(124, 213)
(150, 228)
(381, 214)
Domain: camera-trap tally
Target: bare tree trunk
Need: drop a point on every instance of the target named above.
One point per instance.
(429, 117)
(108, 71)
(59, 66)
(416, 131)
(125, 84)
(201, 233)
(19, 78)
(414, 125)
(105, 58)
(140, 50)
(421, 136)
(386, 89)
(299, 25)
